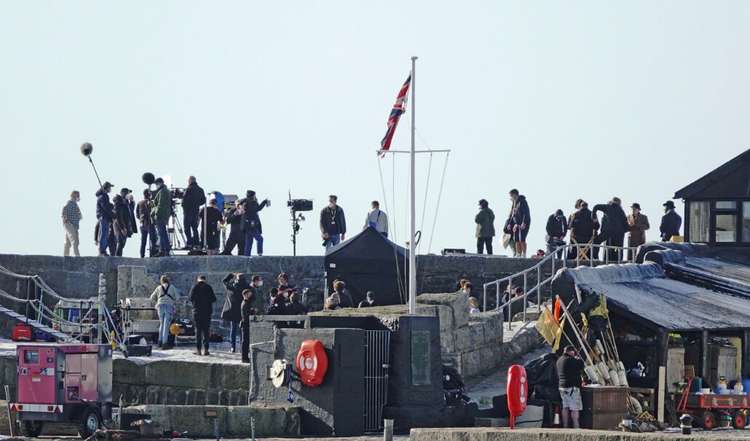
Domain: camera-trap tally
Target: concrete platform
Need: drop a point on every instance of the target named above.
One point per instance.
(504, 434)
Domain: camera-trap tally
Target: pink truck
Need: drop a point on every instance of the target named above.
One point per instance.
(70, 383)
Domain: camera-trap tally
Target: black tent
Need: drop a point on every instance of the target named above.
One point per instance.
(369, 262)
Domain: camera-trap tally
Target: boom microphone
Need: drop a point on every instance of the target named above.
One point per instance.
(86, 150)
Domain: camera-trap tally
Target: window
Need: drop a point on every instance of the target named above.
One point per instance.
(699, 221)
(726, 228)
(726, 205)
(31, 357)
(746, 221)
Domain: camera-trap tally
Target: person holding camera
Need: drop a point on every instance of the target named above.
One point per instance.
(192, 200)
(104, 210)
(332, 223)
(160, 212)
(231, 312)
(236, 237)
(251, 222)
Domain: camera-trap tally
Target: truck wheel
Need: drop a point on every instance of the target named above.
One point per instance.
(738, 420)
(32, 429)
(708, 420)
(90, 423)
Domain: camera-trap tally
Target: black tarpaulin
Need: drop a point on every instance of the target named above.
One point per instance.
(369, 262)
(643, 292)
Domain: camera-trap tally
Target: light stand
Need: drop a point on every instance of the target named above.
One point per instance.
(296, 219)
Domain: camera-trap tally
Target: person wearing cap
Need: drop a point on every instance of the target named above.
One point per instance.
(192, 200)
(161, 210)
(670, 222)
(104, 213)
(71, 218)
(637, 226)
(202, 297)
(569, 371)
(211, 220)
(557, 229)
(121, 223)
(251, 226)
(376, 218)
(614, 227)
(148, 231)
(485, 227)
(332, 223)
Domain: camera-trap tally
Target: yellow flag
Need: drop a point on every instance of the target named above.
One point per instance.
(558, 335)
(547, 326)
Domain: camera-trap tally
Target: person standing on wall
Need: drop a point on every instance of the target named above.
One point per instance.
(71, 219)
(251, 225)
(236, 236)
(104, 210)
(485, 229)
(637, 225)
(582, 230)
(614, 227)
(148, 231)
(569, 371)
(122, 223)
(211, 218)
(332, 223)
(160, 213)
(670, 222)
(202, 297)
(519, 222)
(165, 297)
(191, 202)
(377, 219)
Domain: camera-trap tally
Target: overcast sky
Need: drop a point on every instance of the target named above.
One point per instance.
(561, 100)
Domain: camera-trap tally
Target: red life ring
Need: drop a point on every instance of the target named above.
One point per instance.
(311, 363)
(517, 392)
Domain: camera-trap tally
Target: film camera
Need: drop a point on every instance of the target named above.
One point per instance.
(300, 204)
(177, 193)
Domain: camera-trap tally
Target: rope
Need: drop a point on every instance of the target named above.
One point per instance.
(437, 207)
(424, 203)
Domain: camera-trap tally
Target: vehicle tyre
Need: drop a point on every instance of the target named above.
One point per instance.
(90, 422)
(32, 429)
(708, 420)
(739, 421)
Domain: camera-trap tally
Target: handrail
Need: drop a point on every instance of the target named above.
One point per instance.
(585, 252)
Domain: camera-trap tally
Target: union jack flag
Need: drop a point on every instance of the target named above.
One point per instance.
(398, 109)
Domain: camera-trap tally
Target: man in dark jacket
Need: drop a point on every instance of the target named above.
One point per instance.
(557, 228)
(332, 223)
(251, 222)
(485, 221)
(161, 210)
(104, 214)
(670, 222)
(191, 202)
(236, 236)
(614, 227)
(210, 222)
(582, 229)
(122, 223)
(569, 370)
(202, 297)
(247, 310)
(231, 312)
(148, 231)
(519, 222)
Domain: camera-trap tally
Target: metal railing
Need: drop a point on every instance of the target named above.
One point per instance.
(559, 258)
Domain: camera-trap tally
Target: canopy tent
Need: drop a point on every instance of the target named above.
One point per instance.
(369, 262)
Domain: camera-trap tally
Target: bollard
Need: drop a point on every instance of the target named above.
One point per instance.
(387, 430)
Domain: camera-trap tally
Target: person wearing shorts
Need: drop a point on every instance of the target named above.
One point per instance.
(569, 370)
(519, 222)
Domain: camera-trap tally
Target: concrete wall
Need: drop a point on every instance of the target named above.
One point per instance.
(504, 434)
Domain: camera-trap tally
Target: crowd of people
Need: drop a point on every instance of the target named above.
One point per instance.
(202, 219)
(582, 227)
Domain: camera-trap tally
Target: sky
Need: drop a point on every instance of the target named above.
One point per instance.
(561, 100)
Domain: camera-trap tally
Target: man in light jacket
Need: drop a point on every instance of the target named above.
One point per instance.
(165, 297)
(637, 226)
(377, 219)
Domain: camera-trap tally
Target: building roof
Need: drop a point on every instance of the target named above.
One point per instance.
(730, 180)
(643, 292)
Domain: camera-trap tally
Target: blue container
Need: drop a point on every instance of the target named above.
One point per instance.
(697, 384)
(746, 385)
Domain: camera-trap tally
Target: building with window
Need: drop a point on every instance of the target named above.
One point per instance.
(717, 206)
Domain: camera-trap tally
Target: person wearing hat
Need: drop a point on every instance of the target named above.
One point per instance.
(614, 227)
(569, 370)
(211, 220)
(670, 222)
(251, 226)
(191, 202)
(485, 230)
(332, 223)
(122, 225)
(161, 210)
(637, 226)
(557, 229)
(104, 213)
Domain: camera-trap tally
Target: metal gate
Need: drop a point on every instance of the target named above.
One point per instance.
(377, 364)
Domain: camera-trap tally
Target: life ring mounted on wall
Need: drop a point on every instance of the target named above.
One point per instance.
(311, 363)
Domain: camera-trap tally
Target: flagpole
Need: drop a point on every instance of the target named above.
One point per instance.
(412, 196)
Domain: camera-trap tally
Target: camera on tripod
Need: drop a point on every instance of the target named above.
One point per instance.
(177, 192)
(300, 204)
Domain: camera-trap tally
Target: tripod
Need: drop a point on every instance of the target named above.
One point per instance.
(176, 233)
(296, 219)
